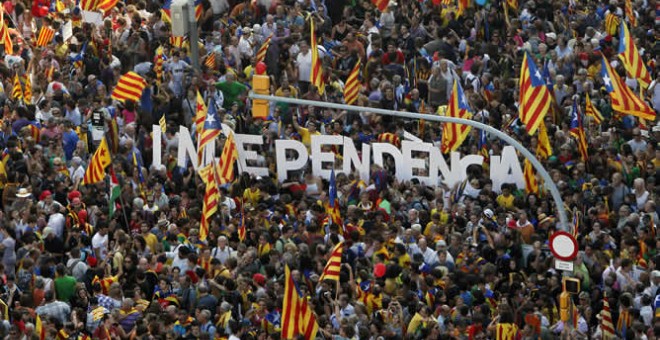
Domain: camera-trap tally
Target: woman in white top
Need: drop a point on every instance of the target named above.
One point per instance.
(641, 194)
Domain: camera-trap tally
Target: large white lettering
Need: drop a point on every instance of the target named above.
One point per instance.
(432, 169)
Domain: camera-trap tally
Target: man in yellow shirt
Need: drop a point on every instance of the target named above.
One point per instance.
(505, 200)
(306, 133)
(150, 238)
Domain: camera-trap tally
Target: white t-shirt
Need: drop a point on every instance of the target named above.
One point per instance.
(304, 62)
(101, 243)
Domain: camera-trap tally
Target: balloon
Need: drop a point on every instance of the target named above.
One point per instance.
(481, 2)
(260, 68)
(379, 270)
(42, 11)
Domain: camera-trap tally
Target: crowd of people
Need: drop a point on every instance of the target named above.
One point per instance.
(419, 262)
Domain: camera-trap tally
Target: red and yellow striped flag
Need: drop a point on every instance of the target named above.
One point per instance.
(352, 88)
(27, 91)
(176, 41)
(333, 267)
(107, 5)
(210, 61)
(388, 137)
(261, 54)
(592, 111)
(89, 5)
(211, 130)
(531, 184)
(454, 134)
(297, 317)
(631, 58)
(316, 75)
(96, 169)
(39, 328)
(200, 115)
(630, 13)
(622, 97)
(606, 324)
(381, 4)
(46, 35)
(506, 331)
(535, 99)
(211, 198)
(4, 35)
(227, 160)
(612, 22)
(158, 64)
(16, 90)
(129, 87)
(543, 147)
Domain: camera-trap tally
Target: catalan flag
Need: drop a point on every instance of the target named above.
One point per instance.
(158, 64)
(462, 7)
(297, 317)
(166, 11)
(16, 90)
(454, 134)
(577, 131)
(46, 35)
(381, 4)
(211, 198)
(211, 130)
(333, 266)
(107, 5)
(200, 115)
(129, 87)
(606, 324)
(543, 147)
(483, 149)
(388, 137)
(229, 157)
(5, 37)
(622, 97)
(591, 110)
(632, 60)
(89, 5)
(535, 98)
(316, 75)
(199, 10)
(78, 58)
(352, 88)
(96, 170)
(242, 229)
(506, 331)
(630, 13)
(531, 184)
(576, 224)
(612, 22)
(333, 204)
(39, 328)
(261, 54)
(624, 322)
(177, 41)
(210, 60)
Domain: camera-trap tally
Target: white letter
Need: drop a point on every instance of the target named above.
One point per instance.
(319, 157)
(156, 149)
(387, 148)
(506, 169)
(284, 165)
(186, 148)
(407, 149)
(351, 159)
(249, 155)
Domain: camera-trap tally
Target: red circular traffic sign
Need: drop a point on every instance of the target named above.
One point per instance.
(563, 246)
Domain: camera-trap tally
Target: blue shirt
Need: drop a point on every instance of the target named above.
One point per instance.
(69, 142)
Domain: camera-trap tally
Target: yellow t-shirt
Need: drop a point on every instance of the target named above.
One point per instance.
(306, 136)
(152, 241)
(505, 202)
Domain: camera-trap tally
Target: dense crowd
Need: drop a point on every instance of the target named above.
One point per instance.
(419, 262)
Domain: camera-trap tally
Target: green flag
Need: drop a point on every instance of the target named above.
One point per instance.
(115, 191)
